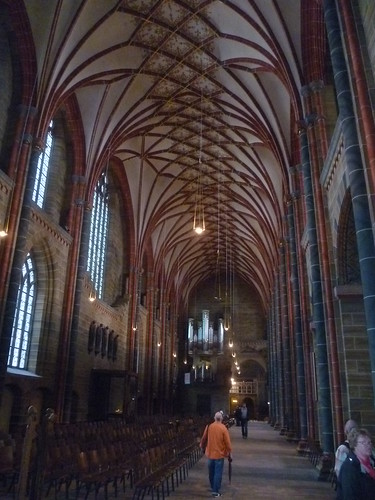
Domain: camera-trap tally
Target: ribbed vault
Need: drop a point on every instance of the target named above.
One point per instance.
(199, 101)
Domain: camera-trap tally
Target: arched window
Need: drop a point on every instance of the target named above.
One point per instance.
(348, 259)
(23, 318)
(98, 235)
(40, 184)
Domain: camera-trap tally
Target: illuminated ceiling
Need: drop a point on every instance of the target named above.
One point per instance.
(185, 93)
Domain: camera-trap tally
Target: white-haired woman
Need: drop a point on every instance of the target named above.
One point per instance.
(343, 449)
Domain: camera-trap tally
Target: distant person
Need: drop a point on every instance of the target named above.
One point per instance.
(357, 474)
(244, 420)
(237, 416)
(226, 419)
(217, 445)
(343, 449)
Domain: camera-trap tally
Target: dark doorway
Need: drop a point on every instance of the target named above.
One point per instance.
(203, 404)
(112, 394)
(250, 406)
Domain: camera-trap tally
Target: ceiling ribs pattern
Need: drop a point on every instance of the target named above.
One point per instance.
(185, 92)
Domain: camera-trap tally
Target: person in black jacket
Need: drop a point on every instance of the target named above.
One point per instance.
(244, 420)
(357, 473)
(344, 448)
(237, 416)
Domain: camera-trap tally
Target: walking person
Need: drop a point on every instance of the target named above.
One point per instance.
(217, 445)
(244, 420)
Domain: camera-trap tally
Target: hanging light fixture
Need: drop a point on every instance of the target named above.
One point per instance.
(199, 225)
(218, 277)
(5, 225)
(92, 294)
(226, 322)
(227, 316)
(5, 228)
(232, 289)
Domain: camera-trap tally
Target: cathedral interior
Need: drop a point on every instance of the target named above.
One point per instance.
(187, 195)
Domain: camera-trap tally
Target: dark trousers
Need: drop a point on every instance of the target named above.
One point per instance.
(244, 427)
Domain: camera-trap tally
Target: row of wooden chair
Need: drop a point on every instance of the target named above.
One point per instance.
(91, 457)
(90, 470)
(9, 467)
(143, 438)
(109, 430)
(313, 451)
(159, 472)
(150, 460)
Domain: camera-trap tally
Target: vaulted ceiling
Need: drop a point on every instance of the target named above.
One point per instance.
(199, 100)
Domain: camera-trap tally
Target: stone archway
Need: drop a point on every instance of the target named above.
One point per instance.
(253, 389)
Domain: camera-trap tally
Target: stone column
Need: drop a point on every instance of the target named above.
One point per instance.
(317, 308)
(354, 174)
(66, 375)
(297, 327)
(286, 353)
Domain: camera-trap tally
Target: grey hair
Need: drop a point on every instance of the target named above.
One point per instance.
(349, 425)
(355, 434)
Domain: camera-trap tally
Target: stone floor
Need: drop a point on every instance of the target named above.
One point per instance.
(265, 466)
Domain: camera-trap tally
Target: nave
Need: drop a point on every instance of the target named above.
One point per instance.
(187, 212)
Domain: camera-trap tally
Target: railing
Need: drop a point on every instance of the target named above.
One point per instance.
(250, 387)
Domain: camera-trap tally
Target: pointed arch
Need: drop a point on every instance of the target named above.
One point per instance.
(347, 250)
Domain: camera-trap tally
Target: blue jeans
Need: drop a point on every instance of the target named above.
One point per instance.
(215, 473)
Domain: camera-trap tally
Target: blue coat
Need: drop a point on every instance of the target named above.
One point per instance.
(354, 483)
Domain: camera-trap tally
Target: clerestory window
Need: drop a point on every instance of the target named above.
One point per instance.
(23, 318)
(98, 235)
(40, 184)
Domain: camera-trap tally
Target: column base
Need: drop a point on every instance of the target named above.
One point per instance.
(324, 466)
(302, 447)
(291, 436)
(277, 426)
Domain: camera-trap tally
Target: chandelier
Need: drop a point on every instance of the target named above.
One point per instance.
(199, 225)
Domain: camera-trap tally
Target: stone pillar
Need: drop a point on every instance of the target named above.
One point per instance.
(354, 174)
(66, 375)
(276, 362)
(317, 308)
(297, 327)
(286, 353)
